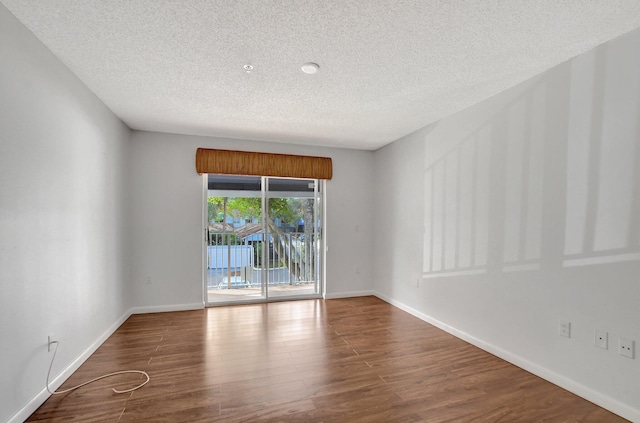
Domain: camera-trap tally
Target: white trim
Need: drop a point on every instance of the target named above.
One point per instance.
(166, 307)
(334, 295)
(251, 194)
(205, 242)
(320, 191)
(570, 385)
(323, 236)
(31, 406)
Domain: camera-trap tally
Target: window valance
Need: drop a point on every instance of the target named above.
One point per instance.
(229, 162)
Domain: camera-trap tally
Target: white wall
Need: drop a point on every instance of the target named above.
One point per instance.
(62, 247)
(523, 210)
(166, 196)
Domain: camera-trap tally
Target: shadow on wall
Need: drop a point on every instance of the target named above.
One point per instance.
(550, 180)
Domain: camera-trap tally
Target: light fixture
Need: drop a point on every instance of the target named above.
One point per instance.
(248, 68)
(310, 68)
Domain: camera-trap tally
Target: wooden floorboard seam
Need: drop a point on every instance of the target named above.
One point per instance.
(343, 360)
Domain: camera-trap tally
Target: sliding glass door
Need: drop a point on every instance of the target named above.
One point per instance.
(234, 239)
(263, 239)
(293, 228)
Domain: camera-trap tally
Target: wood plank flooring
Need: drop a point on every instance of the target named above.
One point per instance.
(344, 360)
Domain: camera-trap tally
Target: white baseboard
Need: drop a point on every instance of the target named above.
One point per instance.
(165, 308)
(56, 382)
(334, 295)
(570, 385)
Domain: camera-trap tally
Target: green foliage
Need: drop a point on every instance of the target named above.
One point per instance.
(288, 210)
(245, 208)
(215, 209)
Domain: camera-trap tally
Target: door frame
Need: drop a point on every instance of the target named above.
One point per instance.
(321, 208)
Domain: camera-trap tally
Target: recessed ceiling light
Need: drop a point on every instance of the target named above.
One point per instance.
(248, 68)
(310, 68)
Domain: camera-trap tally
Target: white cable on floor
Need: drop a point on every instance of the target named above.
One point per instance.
(93, 380)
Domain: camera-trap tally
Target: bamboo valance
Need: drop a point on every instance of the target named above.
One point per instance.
(228, 162)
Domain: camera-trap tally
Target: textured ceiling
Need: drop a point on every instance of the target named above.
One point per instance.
(387, 68)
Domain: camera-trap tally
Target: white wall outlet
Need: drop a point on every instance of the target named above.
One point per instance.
(627, 347)
(600, 339)
(357, 269)
(564, 328)
(148, 280)
(50, 341)
(417, 282)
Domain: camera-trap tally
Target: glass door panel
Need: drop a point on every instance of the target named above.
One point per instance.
(234, 239)
(292, 225)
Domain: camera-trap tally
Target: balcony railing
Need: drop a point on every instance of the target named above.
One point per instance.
(237, 263)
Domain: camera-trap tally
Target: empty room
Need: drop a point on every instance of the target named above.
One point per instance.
(319, 211)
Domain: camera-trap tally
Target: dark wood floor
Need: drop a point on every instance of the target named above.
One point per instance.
(346, 360)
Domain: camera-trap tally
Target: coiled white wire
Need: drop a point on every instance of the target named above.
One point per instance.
(93, 380)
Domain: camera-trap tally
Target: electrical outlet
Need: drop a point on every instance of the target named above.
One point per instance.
(148, 280)
(601, 339)
(627, 347)
(417, 282)
(51, 339)
(564, 328)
